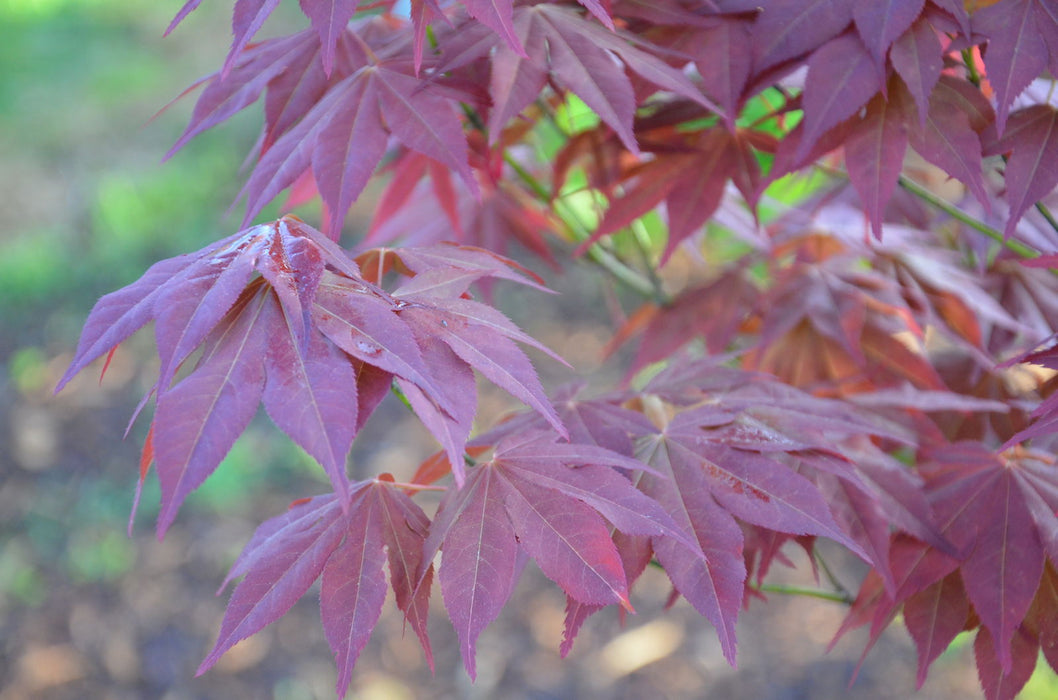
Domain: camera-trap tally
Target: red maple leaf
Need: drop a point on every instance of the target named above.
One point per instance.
(577, 55)
(347, 546)
(316, 119)
(298, 338)
(500, 214)
(829, 326)
(689, 173)
(999, 512)
(947, 134)
(550, 501)
(790, 28)
(1031, 139)
(1022, 41)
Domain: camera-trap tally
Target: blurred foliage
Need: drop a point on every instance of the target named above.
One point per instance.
(79, 132)
(1043, 685)
(81, 148)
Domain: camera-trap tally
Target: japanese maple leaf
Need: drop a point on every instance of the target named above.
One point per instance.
(933, 620)
(917, 57)
(1029, 293)
(870, 494)
(297, 338)
(1022, 42)
(823, 321)
(258, 346)
(189, 7)
(1040, 620)
(368, 328)
(786, 29)
(824, 440)
(412, 175)
(348, 548)
(937, 614)
(272, 65)
(471, 261)
(329, 18)
(989, 424)
(498, 15)
(874, 153)
(1031, 139)
(842, 77)
(958, 114)
(713, 312)
(880, 22)
(577, 55)
(722, 51)
(999, 511)
(947, 135)
(636, 554)
(336, 122)
(500, 215)
(247, 17)
(689, 174)
(343, 138)
(936, 282)
(551, 501)
(957, 9)
(600, 421)
(459, 335)
(1045, 415)
(706, 485)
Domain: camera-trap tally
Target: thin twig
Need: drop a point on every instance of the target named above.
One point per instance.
(596, 253)
(1042, 209)
(831, 578)
(639, 233)
(399, 393)
(604, 259)
(657, 292)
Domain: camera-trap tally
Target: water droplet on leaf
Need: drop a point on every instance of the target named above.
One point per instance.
(368, 348)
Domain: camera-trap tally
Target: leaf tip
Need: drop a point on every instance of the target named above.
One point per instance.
(207, 664)
(62, 383)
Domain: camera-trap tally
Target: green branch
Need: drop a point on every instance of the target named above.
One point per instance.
(834, 596)
(958, 214)
(601, 257)
(972, 74)
(1046, 213)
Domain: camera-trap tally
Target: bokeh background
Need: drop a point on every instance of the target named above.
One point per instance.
(87, 611)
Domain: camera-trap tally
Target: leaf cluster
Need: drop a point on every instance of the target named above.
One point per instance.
(832, 214)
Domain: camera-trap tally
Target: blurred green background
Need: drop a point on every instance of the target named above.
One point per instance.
(88, 612)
